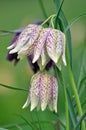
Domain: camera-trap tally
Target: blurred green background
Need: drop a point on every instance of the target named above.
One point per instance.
(13, 15)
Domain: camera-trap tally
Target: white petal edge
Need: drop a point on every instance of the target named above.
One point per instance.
(26, 103)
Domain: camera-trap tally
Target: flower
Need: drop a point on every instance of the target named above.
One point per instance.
(43, 91)
(51, 45)
(26, 40)
(34, 66)
(43, 43)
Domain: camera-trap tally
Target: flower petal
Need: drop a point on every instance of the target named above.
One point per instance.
(11, 46)
(27, 101)
(34, 91)
(54, 44)
(25, 51)
(44, 56)
(53, 94)
(44, 59)
(63, 55)
(44, 91)
(28, 35)
(39, 46)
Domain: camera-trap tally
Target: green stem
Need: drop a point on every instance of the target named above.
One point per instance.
(59, 74)
(76, 96)
(51, 21)
(52, 16)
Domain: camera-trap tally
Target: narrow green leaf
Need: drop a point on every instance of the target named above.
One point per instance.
(73, 86)
(83, 103)
(19, 127)
(3, 129)
(42, 8)
(58, 12)
(13, 88)
(8, 32)
(63, 24)
(74, 21)
(80, 121)
(71, 109)
(57, 3)
(10, 126)
(27, 122)
(60, 76)
(4, 34)
(5, 31)
(60, 121)
(83, 81)
(12, 31)
(38, 121)
(82, 86)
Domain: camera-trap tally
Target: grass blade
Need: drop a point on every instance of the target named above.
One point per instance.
(27, 122)
(58, 12)
(65, 97)
(3, 129)
(74, 21)
(13, 88)
(80, 121)
(63, 24)
(71, 109)
(80, 80)
(57, 3)
(42, 8)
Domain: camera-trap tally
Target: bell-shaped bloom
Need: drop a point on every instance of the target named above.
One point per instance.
(43, 43)
(51, 41)
(26, 40)
(34, 66)
(14, 56)
(43, 91)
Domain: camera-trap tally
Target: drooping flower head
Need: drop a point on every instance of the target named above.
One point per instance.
(14, 56)
(50, 45)
(43, 43)
(43, 91)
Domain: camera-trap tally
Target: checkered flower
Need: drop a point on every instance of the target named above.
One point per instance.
(26, 41)
(43, 43)
(51, 45)
(34, 66)
(43, 91)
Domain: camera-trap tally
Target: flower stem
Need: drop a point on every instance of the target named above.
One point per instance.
(76, 96)
(48, 19)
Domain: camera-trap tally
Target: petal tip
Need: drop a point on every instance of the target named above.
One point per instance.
(34, 60)
(24, 106)
(13, 51)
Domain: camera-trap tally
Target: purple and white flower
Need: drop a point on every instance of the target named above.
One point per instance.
(43, 43)
(43, 91)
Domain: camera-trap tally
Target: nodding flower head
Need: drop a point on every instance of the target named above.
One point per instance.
(43, 43)
(26, 41)
(50, 45)
(43, 91)
(14, 57)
